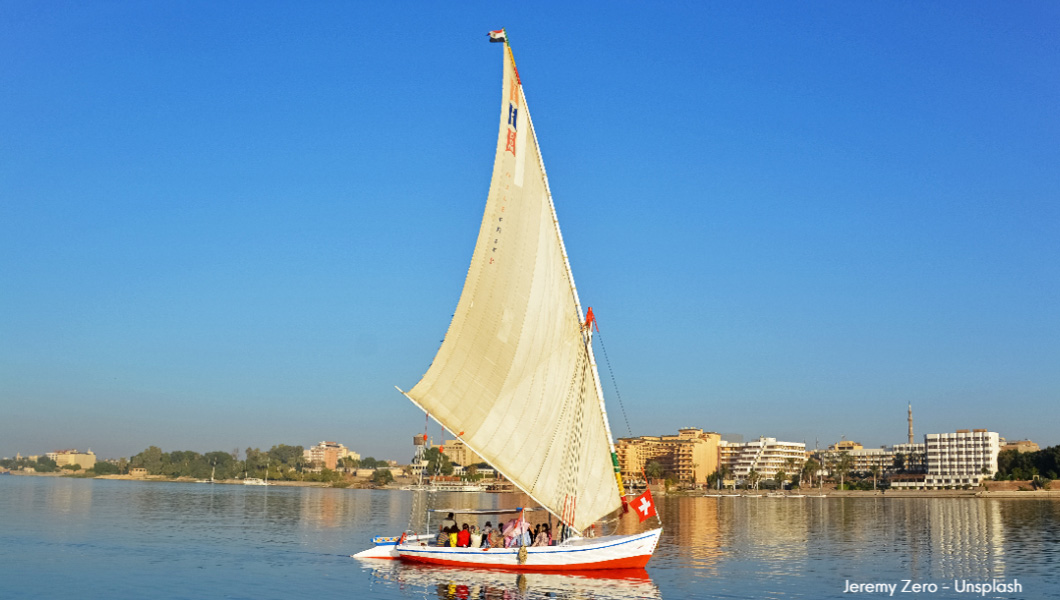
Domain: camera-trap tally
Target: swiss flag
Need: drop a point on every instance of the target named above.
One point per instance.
(644, 505)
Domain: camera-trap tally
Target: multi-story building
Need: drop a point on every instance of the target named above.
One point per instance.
(961, 458)
(864, 459)
(328, 454)
(914, 457)
(1020, 446)
(765, 456)
(86, 460)
(690, 456)
(459, 453)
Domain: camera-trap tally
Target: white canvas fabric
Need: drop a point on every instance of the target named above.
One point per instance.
(513, 377)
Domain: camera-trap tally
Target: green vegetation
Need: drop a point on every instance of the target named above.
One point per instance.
(810, 469)
(437, 462)
(1015, 465)
(105, 468)
(382, 477)
(278, 463)
(41, 465)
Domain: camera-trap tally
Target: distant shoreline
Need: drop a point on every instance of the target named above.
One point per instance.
(364, 483)
(357, 483)
(892, 494)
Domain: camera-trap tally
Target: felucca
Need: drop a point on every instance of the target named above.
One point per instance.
(518, 358)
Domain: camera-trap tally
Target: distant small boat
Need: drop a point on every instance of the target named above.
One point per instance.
(255, 481)
(446, 486)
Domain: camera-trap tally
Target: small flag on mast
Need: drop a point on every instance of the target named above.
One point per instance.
(498, 36)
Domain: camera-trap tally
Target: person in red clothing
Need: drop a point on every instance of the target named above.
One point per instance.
(463, 537)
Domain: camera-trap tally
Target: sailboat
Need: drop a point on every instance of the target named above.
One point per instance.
(515, 378)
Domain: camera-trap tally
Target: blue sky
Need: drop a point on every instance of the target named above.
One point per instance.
(230, 224)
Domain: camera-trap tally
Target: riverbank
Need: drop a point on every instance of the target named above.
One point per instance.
(994, 489)
(355, 483)
(832, 493)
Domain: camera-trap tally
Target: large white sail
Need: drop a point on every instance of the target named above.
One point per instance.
(513, 377)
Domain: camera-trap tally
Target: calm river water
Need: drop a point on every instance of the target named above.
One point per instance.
(84, 538)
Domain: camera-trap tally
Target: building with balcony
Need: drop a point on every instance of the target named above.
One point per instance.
(863, 460)
(765, 456)
(961, 458)
(460, 454)
(690, 456)
(328, 454)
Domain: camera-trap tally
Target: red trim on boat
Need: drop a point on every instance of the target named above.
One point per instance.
(629, 562)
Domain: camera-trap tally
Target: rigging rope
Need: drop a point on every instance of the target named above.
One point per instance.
(614, 383)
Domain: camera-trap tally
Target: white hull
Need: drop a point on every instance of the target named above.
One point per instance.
(610, 552)
(386, 547)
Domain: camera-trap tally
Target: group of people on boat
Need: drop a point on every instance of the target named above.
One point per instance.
(516, 532)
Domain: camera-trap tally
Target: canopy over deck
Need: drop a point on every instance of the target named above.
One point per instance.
(482, 511)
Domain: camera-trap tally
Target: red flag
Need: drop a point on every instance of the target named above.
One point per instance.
(644, 505)
(590, 319)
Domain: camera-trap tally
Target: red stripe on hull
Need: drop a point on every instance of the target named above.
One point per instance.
(629, 562)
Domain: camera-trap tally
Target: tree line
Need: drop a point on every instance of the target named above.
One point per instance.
(1016, 465)
(281, 462)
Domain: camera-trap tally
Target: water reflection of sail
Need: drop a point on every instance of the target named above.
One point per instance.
(459, 583)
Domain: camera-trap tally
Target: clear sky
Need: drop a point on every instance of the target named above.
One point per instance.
(233, 224)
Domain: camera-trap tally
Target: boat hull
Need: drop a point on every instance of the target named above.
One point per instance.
(385, 547)
(590, 554)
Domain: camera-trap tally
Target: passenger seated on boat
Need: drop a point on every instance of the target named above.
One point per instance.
(510, 532)
(543, 536)
(540, 537)
(443, 537)
(476, 537)
(487, 535)
(463, 539)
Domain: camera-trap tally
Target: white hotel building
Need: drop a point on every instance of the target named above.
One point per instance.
(961, 458)
(766, 456)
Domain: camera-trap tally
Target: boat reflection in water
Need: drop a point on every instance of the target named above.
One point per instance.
(459, 583)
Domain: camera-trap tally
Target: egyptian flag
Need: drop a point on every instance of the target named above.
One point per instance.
(498, 36)
(644, 505)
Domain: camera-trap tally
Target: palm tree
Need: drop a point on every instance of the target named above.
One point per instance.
(752, 479)
(724, 472)
(809, 469)
(899, 463)
(875, 470)
(653, 470)
(843, 466)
